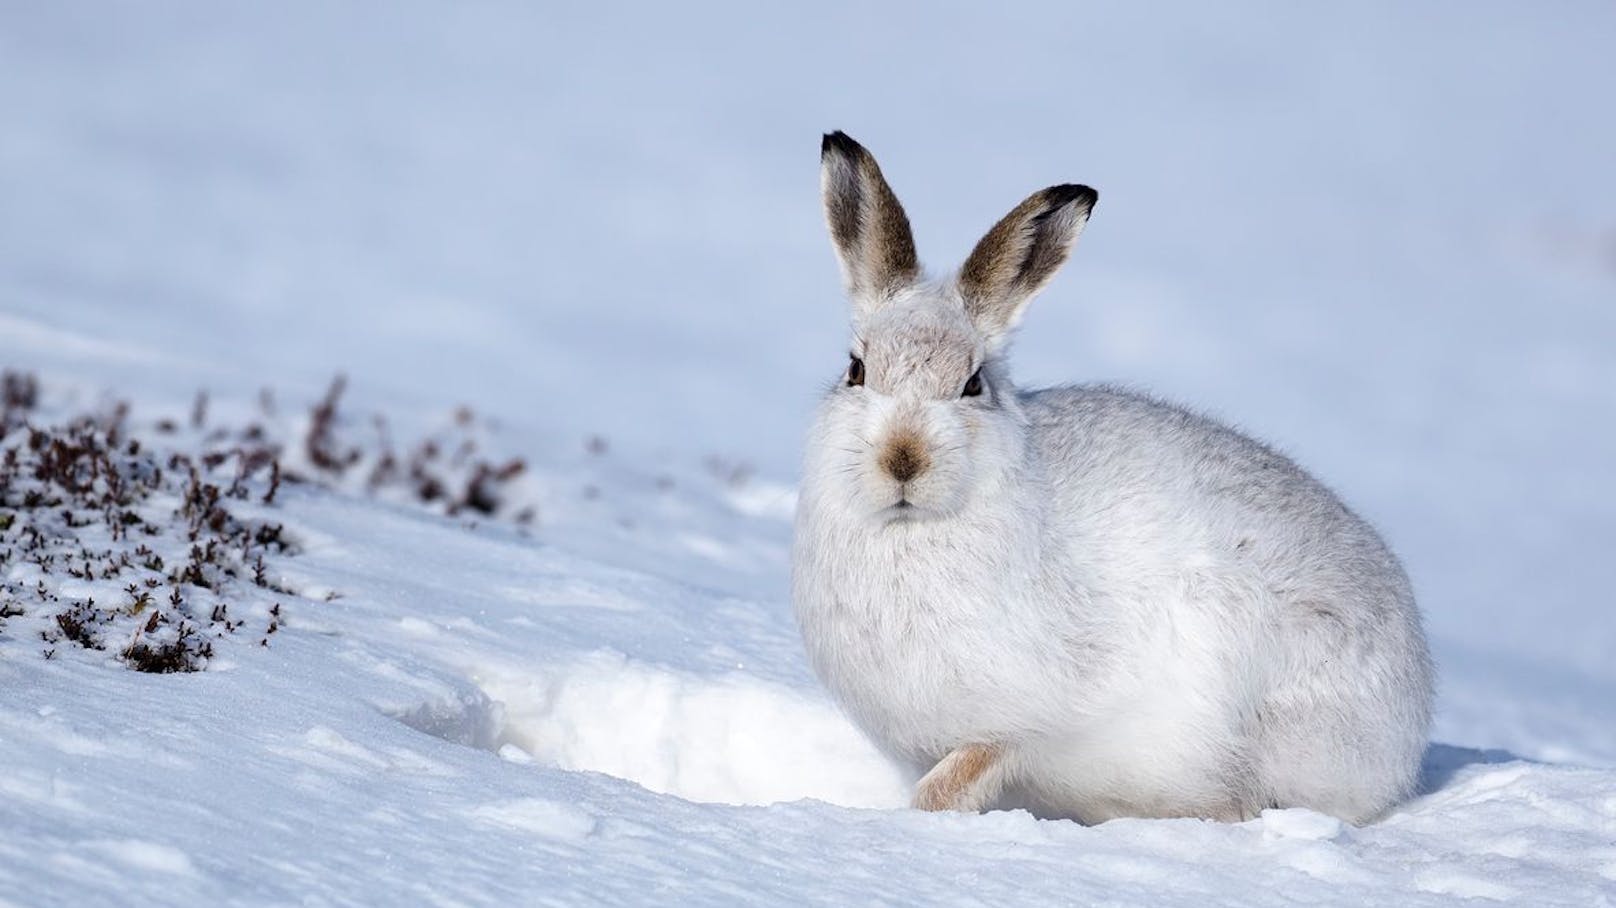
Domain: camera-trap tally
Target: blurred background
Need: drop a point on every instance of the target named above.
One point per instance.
(1380, 236)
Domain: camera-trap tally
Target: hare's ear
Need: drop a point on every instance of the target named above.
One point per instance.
(1021, 253)
(867, 224)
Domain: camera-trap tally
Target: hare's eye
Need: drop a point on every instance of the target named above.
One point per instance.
(855, 372)
(973, 385)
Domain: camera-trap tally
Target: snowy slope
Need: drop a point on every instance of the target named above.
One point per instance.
(1379, 237)
(465, 713)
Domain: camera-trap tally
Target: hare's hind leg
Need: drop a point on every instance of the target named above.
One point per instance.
(967, 780)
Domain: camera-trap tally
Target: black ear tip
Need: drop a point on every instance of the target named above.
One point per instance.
(840, 143)
(1069, 193)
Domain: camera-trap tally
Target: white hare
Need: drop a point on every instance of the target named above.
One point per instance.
(1080, 600)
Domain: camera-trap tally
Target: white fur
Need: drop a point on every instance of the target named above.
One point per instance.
(1148, 613)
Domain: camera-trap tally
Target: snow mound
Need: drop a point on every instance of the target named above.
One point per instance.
(730, 739)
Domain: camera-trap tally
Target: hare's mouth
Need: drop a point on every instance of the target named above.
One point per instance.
(911, 504)
(902, 511)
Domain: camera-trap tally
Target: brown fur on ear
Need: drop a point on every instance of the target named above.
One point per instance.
(1022, 252)
(867, 224)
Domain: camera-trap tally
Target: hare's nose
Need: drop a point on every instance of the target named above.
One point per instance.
(904, 457)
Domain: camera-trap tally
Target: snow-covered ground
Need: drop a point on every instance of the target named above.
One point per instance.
(1380, 237)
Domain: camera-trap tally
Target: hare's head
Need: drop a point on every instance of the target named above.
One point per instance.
(925, 415)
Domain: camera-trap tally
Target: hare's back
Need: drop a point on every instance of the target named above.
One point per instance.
(1101, 433)
(1121, 464)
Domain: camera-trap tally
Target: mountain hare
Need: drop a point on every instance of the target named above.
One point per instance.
(1080, 600)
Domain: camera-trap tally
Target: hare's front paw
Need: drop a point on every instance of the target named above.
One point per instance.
(965, 780)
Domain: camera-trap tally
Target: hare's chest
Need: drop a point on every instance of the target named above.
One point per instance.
(923, 661)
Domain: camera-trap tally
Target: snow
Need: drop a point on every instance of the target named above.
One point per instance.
(1379, 236)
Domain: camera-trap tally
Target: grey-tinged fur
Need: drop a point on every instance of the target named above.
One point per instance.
(1134, 610)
